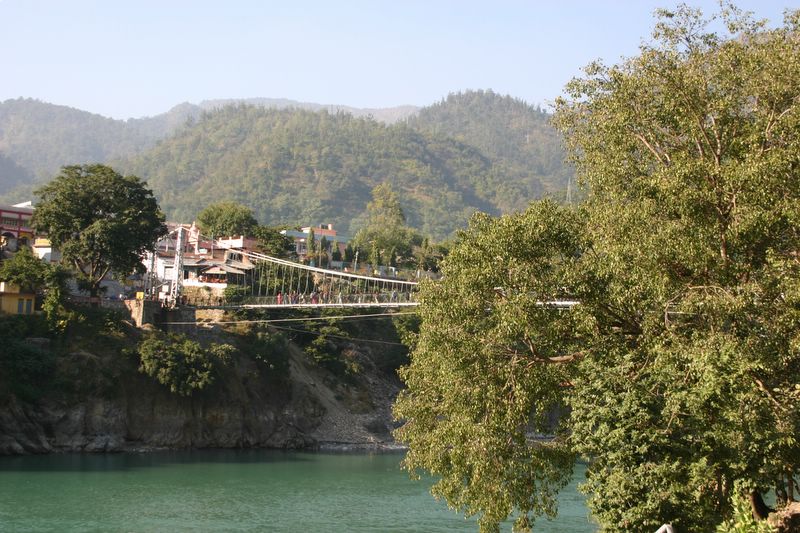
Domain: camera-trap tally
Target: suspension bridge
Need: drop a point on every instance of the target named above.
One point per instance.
(245, 279)
(252, 280)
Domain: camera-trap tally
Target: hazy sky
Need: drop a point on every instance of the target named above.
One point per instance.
(131, 58)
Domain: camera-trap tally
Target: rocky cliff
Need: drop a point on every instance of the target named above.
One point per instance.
(98, 401)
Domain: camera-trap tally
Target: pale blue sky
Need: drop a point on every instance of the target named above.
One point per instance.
(140, 57)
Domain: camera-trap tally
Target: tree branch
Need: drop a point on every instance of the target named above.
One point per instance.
(769, 395)
(663, 160)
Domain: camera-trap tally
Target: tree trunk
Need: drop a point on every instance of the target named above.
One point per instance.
(781, 496)
(760, 509)
(94, 295)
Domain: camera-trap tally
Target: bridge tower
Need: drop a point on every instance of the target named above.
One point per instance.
(177, 270)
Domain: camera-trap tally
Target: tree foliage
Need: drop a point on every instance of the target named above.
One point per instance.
(272, 242)
(227, 219)
(100, 221)
(179, 363)
(32, 274)
(679, 366)
(25, 370)
(474, 389)
(385, 230)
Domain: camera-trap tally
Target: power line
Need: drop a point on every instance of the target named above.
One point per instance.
(277, 320)
(339, 336)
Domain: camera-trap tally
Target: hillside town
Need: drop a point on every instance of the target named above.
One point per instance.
(209, 265)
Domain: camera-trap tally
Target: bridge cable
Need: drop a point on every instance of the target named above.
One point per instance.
(279, 320)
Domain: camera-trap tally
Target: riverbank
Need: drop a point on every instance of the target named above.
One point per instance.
(97, 400)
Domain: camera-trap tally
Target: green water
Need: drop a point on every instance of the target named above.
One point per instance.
(233, 491)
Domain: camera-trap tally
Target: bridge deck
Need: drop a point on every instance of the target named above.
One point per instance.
(364, 305)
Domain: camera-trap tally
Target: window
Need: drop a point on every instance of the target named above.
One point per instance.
(20, 304)
(28, 306)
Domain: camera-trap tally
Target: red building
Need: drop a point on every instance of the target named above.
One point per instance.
(15, 225)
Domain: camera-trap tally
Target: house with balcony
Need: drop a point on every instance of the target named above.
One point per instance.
(15, 226)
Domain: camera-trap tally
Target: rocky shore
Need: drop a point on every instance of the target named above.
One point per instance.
(312, 409)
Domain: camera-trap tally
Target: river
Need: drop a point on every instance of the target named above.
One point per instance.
(225, 490)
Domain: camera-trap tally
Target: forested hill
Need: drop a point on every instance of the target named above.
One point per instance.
(40, 138)
(472, 150)
(300, 167)
(389, 115)
(513, 134)
(11, 174)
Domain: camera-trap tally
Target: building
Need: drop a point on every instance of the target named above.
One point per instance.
(208, 267)
(301, 238)
(15, 226)
(14, 301)
(45, 251)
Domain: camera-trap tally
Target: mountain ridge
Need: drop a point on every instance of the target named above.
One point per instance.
(473, 150)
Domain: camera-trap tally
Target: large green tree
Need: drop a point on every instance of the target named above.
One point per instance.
(101, 221)
(679, 366)
(272, 242)
(489, 366)
(385, 227)
(227, 219)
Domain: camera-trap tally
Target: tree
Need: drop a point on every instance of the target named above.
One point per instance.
(227, 219)
(272, 242)
(311, 245)
(25, 270)
(384, 209)
(324, 247)
(385, 228)
(181, 363)
(32, 274)
(101, 221)
(474, 388)
(679, 365)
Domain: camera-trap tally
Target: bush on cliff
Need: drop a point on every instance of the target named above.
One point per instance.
(179, 363)
(25, 369)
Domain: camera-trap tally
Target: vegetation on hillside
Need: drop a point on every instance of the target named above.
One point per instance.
(528, 160)
(679, 366)
(41, 138)
(293, 166)
(181, 364)
(473, 151)
(12, 175)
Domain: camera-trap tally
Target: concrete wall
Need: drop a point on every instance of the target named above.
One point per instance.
(143, 311)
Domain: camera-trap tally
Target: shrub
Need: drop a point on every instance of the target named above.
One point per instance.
(179, 363)
(26, 369)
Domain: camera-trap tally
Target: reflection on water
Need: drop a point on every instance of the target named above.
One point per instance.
(226, 490)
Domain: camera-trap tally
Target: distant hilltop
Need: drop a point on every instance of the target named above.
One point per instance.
(389, 115)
